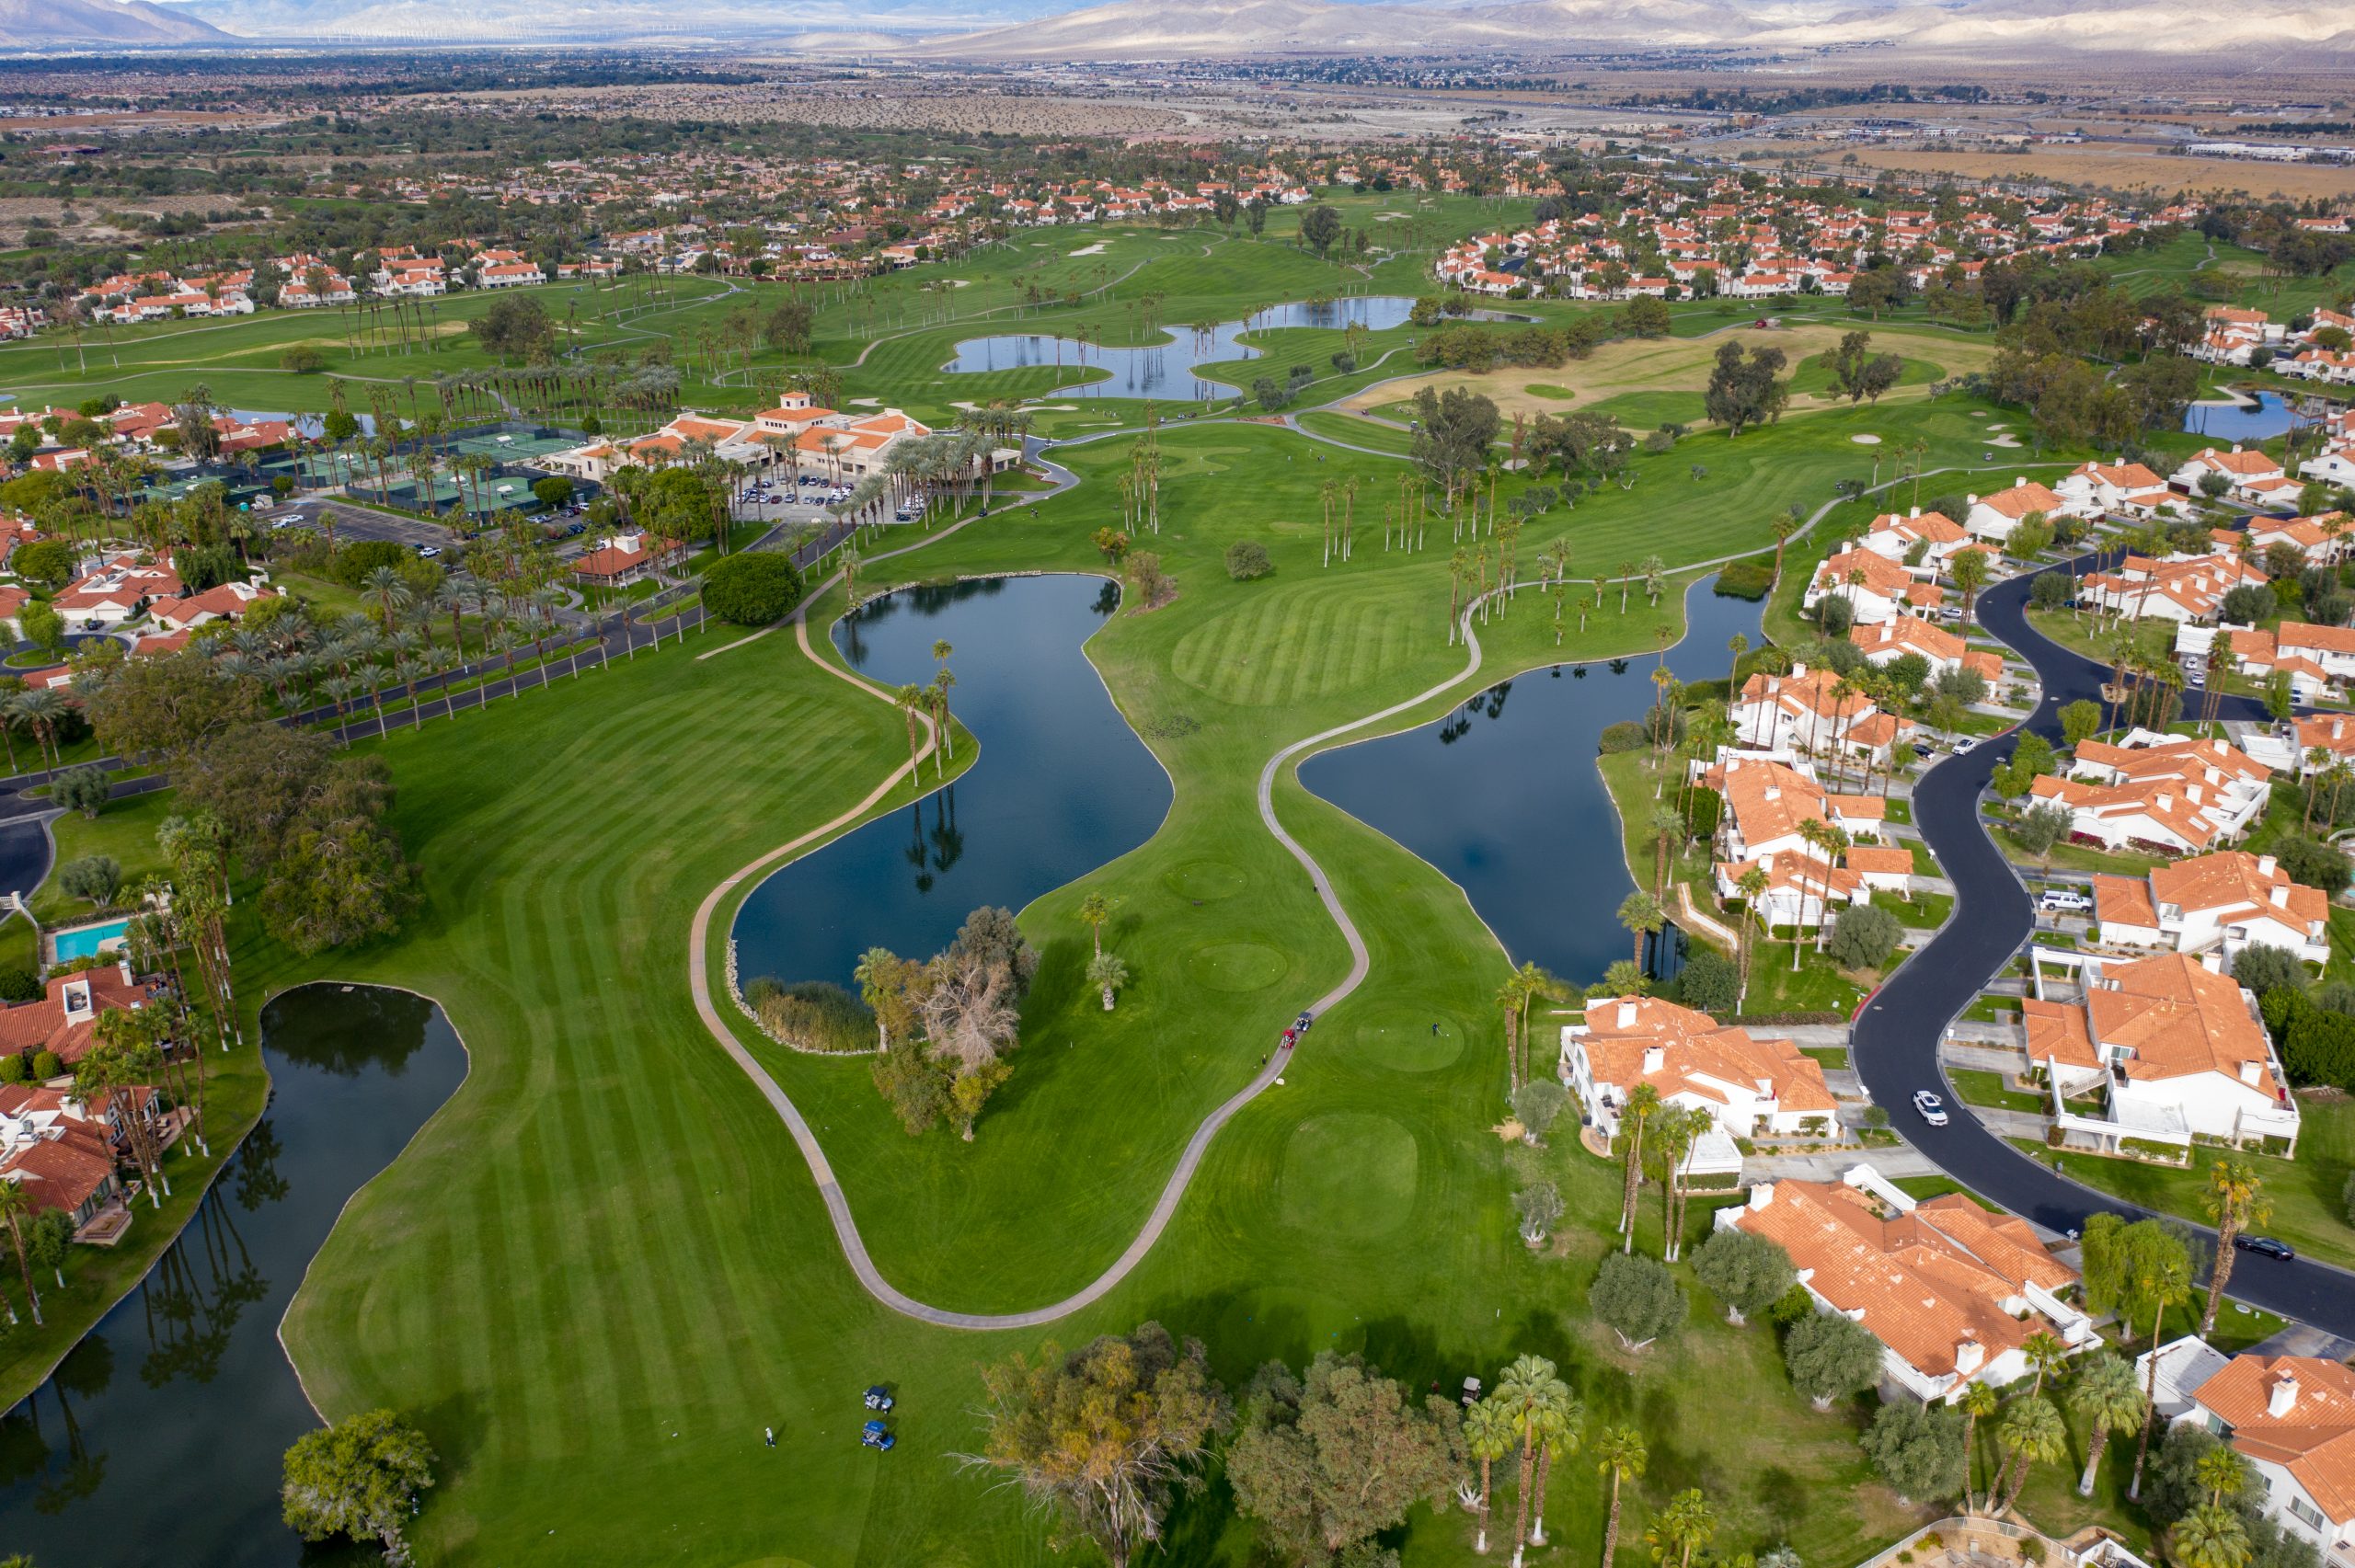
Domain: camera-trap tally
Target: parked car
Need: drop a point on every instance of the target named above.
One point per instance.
(427, 551)
(2058, 899)
(1933, 1110)
(1303, 1020)
(2264, 1246)
(1965, 743)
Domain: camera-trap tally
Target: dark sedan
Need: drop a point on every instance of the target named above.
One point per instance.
(2264, 1246)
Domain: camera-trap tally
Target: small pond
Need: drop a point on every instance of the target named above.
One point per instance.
(1168, 370)
(1062, 786)
(2266, 415)
(159, 1441)
(1503, 796)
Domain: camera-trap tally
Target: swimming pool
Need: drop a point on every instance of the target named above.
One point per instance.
(84, 939)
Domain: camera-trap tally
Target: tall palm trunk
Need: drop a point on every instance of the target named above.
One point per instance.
(1611, 1524)
(1634, 1185)
(1521, 1507)
(2150, 1405)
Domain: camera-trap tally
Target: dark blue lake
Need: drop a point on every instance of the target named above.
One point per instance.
(2266, 418)
(1167, 370)
(1502, 795)
(1063, 786)
(159, 1438)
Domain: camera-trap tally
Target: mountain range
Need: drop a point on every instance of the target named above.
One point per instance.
(36, 24)
(1164, 29)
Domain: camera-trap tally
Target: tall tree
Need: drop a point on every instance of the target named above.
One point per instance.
(1105, 1436)
(1620, 1455)
(1326, 1460)
(2236, 1200)
(2107, 1399)
(1643, 1103)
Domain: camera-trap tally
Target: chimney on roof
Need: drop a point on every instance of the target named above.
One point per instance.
(2265, 864)
(2251, 1071)
(2283, 1399)
(1969, 1355)
(1761, 1195)
(2236, 446)
(2280, 895)
(1655, 1058)
(1627, 1013)
(1916, 512)
(2019, 481)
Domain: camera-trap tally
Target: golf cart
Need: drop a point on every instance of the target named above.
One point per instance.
(876, 1434)
(879, 1398)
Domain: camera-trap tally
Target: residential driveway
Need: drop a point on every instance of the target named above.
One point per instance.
(1896, 1037)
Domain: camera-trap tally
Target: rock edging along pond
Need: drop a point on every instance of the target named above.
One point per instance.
(159, 1438)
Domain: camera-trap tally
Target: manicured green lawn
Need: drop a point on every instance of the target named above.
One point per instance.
(603, 1268)
(1980, 1088)
(558, 1224)
(1923, 912)
(124, 830)
(2308, 1194)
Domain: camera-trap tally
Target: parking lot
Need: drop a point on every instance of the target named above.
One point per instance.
(359, 523)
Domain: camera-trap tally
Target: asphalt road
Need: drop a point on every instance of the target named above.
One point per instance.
(1895, 1044)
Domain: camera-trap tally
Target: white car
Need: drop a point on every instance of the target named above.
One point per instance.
(1965, 744)
(1933, 1110)
(2063, 898)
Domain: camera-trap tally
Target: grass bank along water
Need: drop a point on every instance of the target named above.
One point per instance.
(158, 1439)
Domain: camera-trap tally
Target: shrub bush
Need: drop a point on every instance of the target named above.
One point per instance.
(354, 561)
(1638, 1297)
(751, 590)
(1830, 1356)
(1745, 580)
(12, 1068)
(1625, 735)
(1709, 982)
(814, 1015)
(1864, 936)
(1246, 559)
(46, 1065)
(20, 984)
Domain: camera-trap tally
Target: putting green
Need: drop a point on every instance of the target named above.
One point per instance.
(1206, 879)
(1406, 1041)
(1237, 965)
(1348, 1174)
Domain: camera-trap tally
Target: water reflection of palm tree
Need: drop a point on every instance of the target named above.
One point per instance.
(257, 1178)
(948, 838)
(84, 1372)
(917, 855)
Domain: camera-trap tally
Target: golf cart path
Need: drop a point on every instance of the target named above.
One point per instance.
(1173, 1190)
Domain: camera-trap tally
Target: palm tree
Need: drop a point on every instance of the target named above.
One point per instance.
(1969, 570)
(2219, 1471)
(2105, 1394)
(16, 1208)
(911, 699)
(42, 710)
(1752, 885)
(1785, 525)
(2210, 1536)
(1487, 1436)
(1532, 1393)
(1737, 645)
(2045, 1352)
(1640, 915)
(1676, 1132)
(1643, 1103)
(1619, 1455)
(1978, 1401)
(2033, 1430)
(1686, 1525)
(1667, 828)
(2236, 1200)
(1095, 909)
(1560, 1427)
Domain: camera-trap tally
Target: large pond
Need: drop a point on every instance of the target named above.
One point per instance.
(1168, 370)
(159, 1439)
(1062, 783)
(2265, 415)
(1503, 796)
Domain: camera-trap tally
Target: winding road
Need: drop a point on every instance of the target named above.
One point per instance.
(1896, 1038)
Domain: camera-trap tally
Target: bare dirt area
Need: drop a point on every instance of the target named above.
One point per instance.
(88, 215)
(1672, 364)
(896, 107)
(2115, 167)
